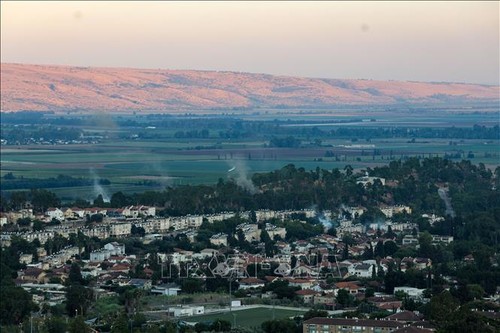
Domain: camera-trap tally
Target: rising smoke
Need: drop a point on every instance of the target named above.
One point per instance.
(325, 221)
(98, 189)
(239, 172)
(443, 194)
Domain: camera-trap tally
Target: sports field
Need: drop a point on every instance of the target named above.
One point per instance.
(251, 318)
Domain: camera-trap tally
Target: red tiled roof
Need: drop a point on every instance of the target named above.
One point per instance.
(404, 316)
(347, 285)
(251, 281)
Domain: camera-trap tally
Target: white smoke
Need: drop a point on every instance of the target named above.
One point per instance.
(325, 221)
(98, 189)
(443, 194)
(239, 172)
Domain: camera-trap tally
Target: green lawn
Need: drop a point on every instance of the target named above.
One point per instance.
(247, 318)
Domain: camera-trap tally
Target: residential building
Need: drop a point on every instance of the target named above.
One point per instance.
(219, 239)
(345, 325)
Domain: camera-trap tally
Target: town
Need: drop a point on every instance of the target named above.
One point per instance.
(378, 267)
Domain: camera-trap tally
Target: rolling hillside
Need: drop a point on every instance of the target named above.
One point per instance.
(61, 88)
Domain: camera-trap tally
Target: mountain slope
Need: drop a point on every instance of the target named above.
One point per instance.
(56, 88)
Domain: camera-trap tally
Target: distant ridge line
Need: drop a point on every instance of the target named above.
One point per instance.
(62, 87)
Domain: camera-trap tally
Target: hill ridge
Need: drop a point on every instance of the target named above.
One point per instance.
(63, 87)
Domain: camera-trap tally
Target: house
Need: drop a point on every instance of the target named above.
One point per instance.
(115, 248)
(346, 325)
(219, 239)
(251, 282)
(391, 210)
(388, 303)
(3, 220)
(363, 270)
(411, 292)
(351, 286)
(436, 239)
(306, 295)
(250, 231)
(109, 250)
(273, 231)
(404, 316)
(55, 213)
(206, 253)
(422, 263)
(302, 283)
(170, 289)
(121, 267)
(26, 258)
(410, 240)
(326, 299)
(31, 275)
(140, 283)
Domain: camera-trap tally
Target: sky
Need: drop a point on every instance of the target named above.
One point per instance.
(415, 41)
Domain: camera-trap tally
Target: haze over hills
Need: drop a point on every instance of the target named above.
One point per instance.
(63, 88)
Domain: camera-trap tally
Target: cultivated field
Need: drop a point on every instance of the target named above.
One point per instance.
(136, 165)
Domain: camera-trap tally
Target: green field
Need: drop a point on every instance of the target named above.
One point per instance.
(251, 318)
(168, 163)
(136, 165)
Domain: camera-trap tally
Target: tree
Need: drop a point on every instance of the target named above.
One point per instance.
(120, 324)
(442, 307)
(279, 326)
(15, 304)
(78, 299)
(38, 225)
(191, 286)
(313, 313)
(220, 325)
(343, 298)
(43, 199)
(56, 325)
(75, 275)
(426, 249)
(99, 201)
(390, 247)
(379, 250)
(78, 326)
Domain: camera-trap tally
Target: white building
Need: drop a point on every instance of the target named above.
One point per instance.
(250, 231)
(120, 229)
(391, 210)
(115, 248)
(110, 249)
(55, 213)
(410, 240)
(219, 239)
(187, 311)
(273, 230)
(412, 292)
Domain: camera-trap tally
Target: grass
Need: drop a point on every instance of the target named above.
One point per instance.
(247, 318)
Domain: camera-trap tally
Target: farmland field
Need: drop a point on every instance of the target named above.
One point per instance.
(143, 157)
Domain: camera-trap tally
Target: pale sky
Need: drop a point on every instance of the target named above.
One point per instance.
(426, 41)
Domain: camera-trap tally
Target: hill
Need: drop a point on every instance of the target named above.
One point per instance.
(62, 88)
